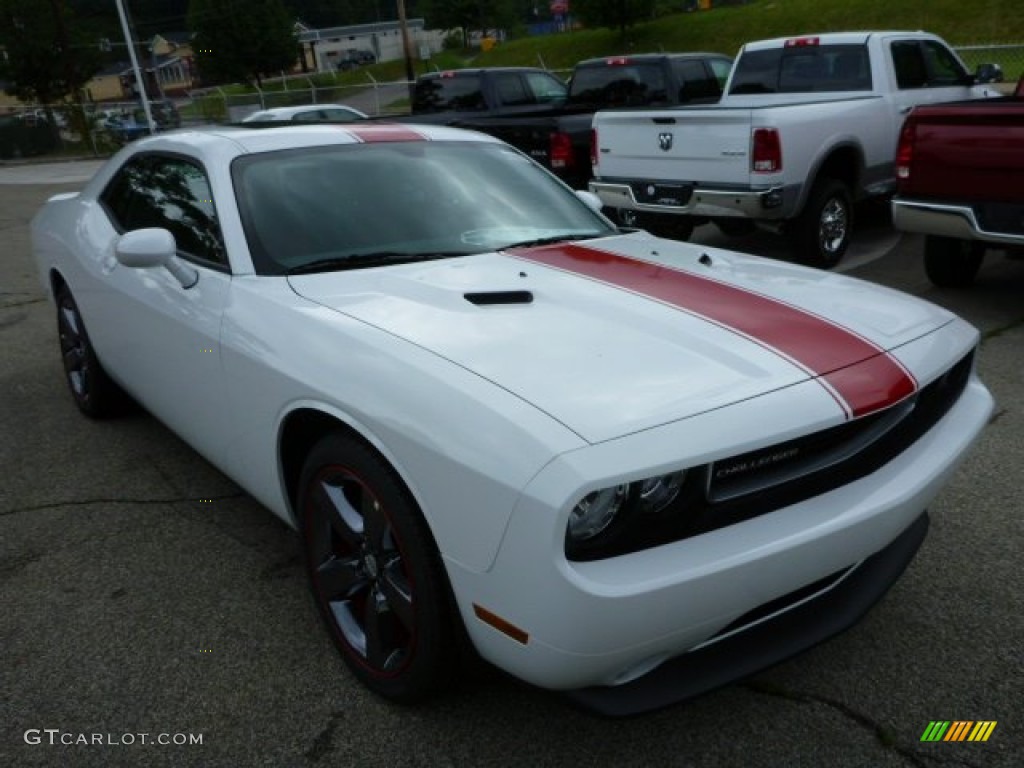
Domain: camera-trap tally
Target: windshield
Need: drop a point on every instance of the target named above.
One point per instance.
(368, 205)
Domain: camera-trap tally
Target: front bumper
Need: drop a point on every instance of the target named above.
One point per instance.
(599, 628)
(778, 636)
(768, 204)
(956, 221)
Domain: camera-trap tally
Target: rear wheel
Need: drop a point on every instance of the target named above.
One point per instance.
(821, 234)
(375, 572)
(952, 263)
(95, 394)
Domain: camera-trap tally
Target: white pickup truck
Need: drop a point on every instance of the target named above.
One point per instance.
(807, 126)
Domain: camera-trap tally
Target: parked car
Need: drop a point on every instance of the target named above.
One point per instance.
(960, 168)
(307, 113)
(627, 468)
(807, 126)
(355, 57)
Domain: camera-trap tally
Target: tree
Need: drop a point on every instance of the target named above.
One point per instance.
(614, 14)
(241, 40)
(50, 55)
(465, 15)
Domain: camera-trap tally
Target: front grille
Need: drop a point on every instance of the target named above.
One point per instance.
(783, 474)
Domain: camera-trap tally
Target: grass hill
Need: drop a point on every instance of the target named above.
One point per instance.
(725, 28)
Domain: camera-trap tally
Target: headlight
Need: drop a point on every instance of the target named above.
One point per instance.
(656, 493)
(596, 511)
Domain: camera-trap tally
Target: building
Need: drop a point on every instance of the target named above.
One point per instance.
(324, 50)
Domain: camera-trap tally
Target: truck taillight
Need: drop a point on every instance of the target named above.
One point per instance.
(593, 148)
(560, 150)
(905, 150)
(766, 154)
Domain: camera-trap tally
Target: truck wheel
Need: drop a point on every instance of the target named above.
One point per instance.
(952, 263)
(667, 225)
(822, 232)
(735, 227)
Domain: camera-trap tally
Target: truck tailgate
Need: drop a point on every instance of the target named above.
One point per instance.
(964, 152)
(685, 145)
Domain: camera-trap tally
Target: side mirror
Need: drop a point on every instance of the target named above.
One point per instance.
(988, 73)
(154, 247)
(593, 201)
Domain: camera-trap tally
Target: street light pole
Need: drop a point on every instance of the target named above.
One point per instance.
(130, 42)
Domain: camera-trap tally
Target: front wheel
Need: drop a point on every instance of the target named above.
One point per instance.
(375, 572)
(952, 263)
(94, 392)
(822, 232)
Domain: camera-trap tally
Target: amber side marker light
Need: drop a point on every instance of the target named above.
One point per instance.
(501, 625)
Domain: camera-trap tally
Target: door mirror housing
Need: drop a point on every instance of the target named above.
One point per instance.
(154, 247)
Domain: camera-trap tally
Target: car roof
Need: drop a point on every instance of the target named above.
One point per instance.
(294, 110)
(833, 38)
(601, 61)
(245, 139)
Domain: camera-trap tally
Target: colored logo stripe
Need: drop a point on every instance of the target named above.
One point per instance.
(383, 132)
(958, 730)
(861, 376)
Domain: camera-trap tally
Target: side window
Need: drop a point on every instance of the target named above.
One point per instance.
(546, 88)
(156, 191)
(908, 63)
(511, 90)
(721, 69)
(313, 116)
(695, 82)
(340, 115)
(943, 67)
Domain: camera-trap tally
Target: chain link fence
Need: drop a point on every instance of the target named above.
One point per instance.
(97, 129)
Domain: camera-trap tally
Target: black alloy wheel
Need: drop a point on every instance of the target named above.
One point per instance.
(375, 572)
(95, 394)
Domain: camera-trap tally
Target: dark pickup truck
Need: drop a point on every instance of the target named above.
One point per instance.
(560, 138)
(535, 112)
(959, 168)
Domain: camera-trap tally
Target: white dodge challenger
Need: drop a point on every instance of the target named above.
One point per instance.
(626, 468)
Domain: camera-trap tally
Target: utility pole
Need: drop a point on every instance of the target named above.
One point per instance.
(130, 42)
(410, 73)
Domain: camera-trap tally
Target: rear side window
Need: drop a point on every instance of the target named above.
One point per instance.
(803, 69)
(926, 64)
(695, 81)
(455, 92)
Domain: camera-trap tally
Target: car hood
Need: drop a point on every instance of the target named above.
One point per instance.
(626, 333)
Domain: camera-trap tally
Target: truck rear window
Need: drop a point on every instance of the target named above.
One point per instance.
(801, 69)
(621, 85)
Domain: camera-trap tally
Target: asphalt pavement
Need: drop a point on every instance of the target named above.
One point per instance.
(145, 598)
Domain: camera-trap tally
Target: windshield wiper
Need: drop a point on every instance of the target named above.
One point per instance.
(376, 259)
(550, 240)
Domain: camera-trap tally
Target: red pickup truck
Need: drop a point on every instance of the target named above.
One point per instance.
(960, 168)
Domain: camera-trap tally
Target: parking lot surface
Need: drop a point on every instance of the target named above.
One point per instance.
(146, 599)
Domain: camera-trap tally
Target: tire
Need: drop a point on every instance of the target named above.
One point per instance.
(952, 263)
(94, 392)
(735, 227)
(668, 225)
(821, 234)
(375, 572)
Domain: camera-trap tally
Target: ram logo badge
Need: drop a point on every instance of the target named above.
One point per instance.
(665, 141)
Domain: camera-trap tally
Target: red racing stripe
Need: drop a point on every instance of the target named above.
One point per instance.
(384, 132)
(859, 374)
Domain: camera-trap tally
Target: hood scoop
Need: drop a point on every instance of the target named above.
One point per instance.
(491, 298)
